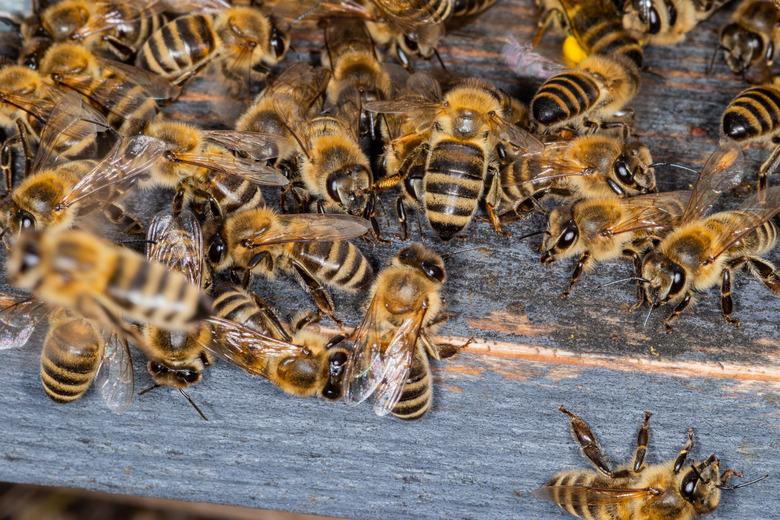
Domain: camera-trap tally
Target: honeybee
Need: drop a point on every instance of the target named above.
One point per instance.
(588, 96)
(111, 285)
(748, 41)
(595, 25)
(464, 8)
(177, 358)
(240, 306)
(389, 350)
(666, 22)
(125, 94)
(314, 248)
(590, 166)
(753, 116)
(466, 129)
(673, 490)
(76, 354)
(244, 40)
(705, 250)
(602, 229)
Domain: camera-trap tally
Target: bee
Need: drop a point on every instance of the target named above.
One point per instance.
(314, 248)
(240, 306)
(244, 40)
(595, 25)
(666, 22)
(706, 250)
(464, 8)
(748, 41)
(389, 350)
(753, 116)
(76, 353)
(109, 284)
(589, 96)
(678, 489)
(113, 27)
(589, 166)
(602, 229)
(466, 131)
(125, 94)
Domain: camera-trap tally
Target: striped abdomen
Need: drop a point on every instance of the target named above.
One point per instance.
(126, 105)
(758, 242)
(234, 193)
(515, 179)
(753, 115)
(417, 11)
(238, 305)
(471, 7)
(598, 28)
(417, 393)
(339, 264)
(179, 47)
(564, 97)
(453, 185)
(70, 358)
(150, 293)
(568, 489)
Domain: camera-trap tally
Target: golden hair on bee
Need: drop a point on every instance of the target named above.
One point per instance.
(750, 39)
(665, 22)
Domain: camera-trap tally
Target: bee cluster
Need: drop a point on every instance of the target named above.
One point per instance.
(81, 91)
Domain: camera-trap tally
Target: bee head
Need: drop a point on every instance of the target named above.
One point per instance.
(69, 59)
(700, 485)
(61, 21)
(631, 172)
(665, 279)
(741, 48)
(180, 376)
(561, 237)
(422, 258)
(338, 357)
(350, 187)
(23, 265)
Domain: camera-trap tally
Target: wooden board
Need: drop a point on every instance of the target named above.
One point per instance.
(495, 433)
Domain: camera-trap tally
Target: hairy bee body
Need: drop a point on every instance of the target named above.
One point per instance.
(750, 39)
(238, 305)
(667, 22)
(594, 91)
(753, 115)
(71, 356)
(182, 44)
(338, 264)
(462, 8)
(177, 358)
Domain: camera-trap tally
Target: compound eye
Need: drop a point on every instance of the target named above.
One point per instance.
(157, 368)
(411, 42)
(216, 251)
(277, 43)
(406, 255)
(688, 486)
(569, 235)
(25, 220)
(432, 271)
(654, 21)
(678, 280)
(770, 51)
(188, 376)
(622, 172)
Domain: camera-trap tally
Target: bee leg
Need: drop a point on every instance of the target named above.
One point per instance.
(310, 318)
(726, 303)
(118, 48)
(767, 273)
(319, 294)
(240, 277)
(370, 215)
(178, 201)
(216, 209)
(7, 164)
(271, 320)
(641, 443)
(492, 200)
(24, 139)
(549, 17)
(728, 474)
(682, 456)
(582, 264)
(768, 167)
(320, 207)
(119, 216)
(587, 441)
(677, 311)
(400, 210)
(640, 291)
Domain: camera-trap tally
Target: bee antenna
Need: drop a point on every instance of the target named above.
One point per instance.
(630, 278)
(748, 483)
(147, 390)
(438, 58)
(534, 233)
(188, 398)
(647, 318)
(675, 165)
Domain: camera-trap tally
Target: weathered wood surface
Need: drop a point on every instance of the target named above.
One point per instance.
(495, 432)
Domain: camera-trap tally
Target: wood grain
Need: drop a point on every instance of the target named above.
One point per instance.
(494, 433)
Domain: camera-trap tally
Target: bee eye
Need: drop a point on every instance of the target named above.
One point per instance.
(622, 171)
(678, 279)
(157, 368)
(407, 254)
(568, 236)
(411, 42)
(770, 51)
(432, 271)
(188, 376)
(654, 21)
(688, 486)
(25, 220)
(277, 43)
(216, 251)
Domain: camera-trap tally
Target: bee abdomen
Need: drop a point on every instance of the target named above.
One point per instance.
(417, 394)
(608, 38)
(69, 360)
(128, 106)
(178, 46)
(235, 194)
(566, 488)
(754, 113)
(564, 96)
(471, 7)
(340, 264)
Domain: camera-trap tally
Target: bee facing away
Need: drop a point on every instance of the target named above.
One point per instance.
(602, 229)
(240, 306)
(706, 250)
(678, 489)
(749, 40)
(313, 248)
(666, 22)
(466, 129)
(753, 116)
(464, 8)
(389, 350)
(586, 167)
(244, 41)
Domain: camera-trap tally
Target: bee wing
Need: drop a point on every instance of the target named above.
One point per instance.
(715, 178)
(580, 496)
(121, 168)
(300, 76)
(247, 168)
(519, 137)
(525, 61)
(71, 120)
(420, 110)
(258, 145)
(106, 16)
(409, 15)
(153, 84)
(651, 211)
(115, 380)
(324, 10)
(18, 318)
(425, 86)
(364, 369)
(194, 6)
(247, 348)
(177, 242)
(758, 209)
(310, 227)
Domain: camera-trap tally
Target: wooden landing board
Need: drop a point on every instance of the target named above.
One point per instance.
(495, 432)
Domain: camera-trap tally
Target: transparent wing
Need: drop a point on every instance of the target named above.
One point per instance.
(365, 367)
(195, 6)
(222, 162)
(248, 348)
(527, 62)
(129, 160)
(754, 212)
(651, 211)
(714, 179)
(310, 227)
(411, 15)
(177, 242)
(259, 146)
(18, 319)
(300, 77)
(579, 496)
(519, 137)
(115, 380)
(106, 16)
(153, 84)
(425, 86)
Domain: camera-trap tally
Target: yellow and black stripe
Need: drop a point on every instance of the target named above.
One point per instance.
(417, 394)
(753, 114)
(70, 358)
(471, 7)
(179, 46)
(565, 490)
(338, 264)
(235, 304)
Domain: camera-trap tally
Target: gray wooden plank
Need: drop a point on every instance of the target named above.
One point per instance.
(495, 429)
